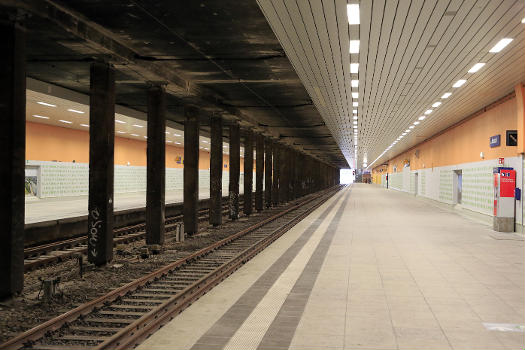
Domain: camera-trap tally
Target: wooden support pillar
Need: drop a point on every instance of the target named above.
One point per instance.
(276, 173)
(156, 169)
(12, 158)
(259, 171)
(268, 172)
(191, 170)
(101, 163)
(235, 169)
(216, 171)
(248, 172)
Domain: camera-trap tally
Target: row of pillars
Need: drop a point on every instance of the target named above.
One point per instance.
(287, 173)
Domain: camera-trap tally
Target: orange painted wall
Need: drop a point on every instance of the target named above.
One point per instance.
(463, 143)
(53, 143)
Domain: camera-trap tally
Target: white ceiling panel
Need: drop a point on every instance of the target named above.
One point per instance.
(411, 52)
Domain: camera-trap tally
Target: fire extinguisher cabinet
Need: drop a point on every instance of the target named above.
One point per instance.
(504, 187)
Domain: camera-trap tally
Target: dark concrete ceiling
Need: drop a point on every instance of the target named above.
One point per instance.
(220, 55)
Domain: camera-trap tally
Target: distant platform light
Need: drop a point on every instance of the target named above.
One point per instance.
(352, 11)
(354, 83)
(422, 117)
(428, 111)
(75, 111)
(65, 121)
(354, 67)
(446, 95)
(476, 67)
(120, 121)
(46, 104)
(354, 46)
(500, 45)
(138, 126)
(436, 104)
(355, 104)
(40, 116)
(355, 95)
(459, 83)
(121, 132)
(84, 125)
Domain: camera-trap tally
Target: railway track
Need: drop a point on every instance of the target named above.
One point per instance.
(127, 315)
(46, 254)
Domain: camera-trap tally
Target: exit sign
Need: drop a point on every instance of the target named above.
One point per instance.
(495, 141)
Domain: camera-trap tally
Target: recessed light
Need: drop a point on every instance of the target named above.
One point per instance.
(446, 95)
(500, 45)
(40, 116)
(145, 137)
(355, 95)
(354, 46)
(75, 111)
(352, 11)
(354, 83)
(138, 126)
(204, 141)
(134, 135)
(523, 20)
(428, 111)
(119, 121)
(177, 143)
(354, 111)
(168, 141)
(422, 117)
(167, 132)
(355, 117)
(416, 123)
(65, 121)
(355, 104)
(46, 104)
(459, 83)
(436, 104)
(84, 125)
(411, 127)
(176, 134)
(354, 67)
(476, 67)
(121, 132)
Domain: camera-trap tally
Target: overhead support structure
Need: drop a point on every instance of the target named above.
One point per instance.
(156, 167)
(12, 158)
(216, 170)
(191, 169)
(101, 163)
(268, 172)
(248, 172)
(259, 172)
(235, 169)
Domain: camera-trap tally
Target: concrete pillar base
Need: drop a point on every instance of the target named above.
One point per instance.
(503, 224)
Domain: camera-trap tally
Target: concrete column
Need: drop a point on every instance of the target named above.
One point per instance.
(12, 158)
(293, 181)
(235, 169)
(259, 171)
(520, 116)
(276, 173)
(284, 171)
(191, 170)
(248, 172)
(101, 163)
(216, 171)
(268, 172)
(156, 169)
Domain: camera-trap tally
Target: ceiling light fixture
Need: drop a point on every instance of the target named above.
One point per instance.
(354, 46)
(355, 117)
(416, 123)
(436, 104)
(177, 143)
(84, 125)
(476, 67)
(354, 67)
(75, 111)
(65, 121)
(40, 116)
(352, 11)
(446, 95)
(428, 111)
(134, 135)
(459, 83)
(355, 95)
(411, 127)
(500, 45)
(355, 104)
(168, 141)
(354, 83)
(138, 126)
(119, 121)
(46, 104)
(422, 117)
(121, 132)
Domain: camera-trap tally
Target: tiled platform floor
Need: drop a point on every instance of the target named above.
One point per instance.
(370, 269)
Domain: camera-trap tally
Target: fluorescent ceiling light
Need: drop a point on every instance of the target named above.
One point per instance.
(422, 117)
(403, 134)
(354, 111)
(176, 134)
(523, 20)
(134, 135)
(436, 104)
(354, 46)
(204, 141)
(46, 104)
(476, 67)
(411, 127)
(416, 123)
(177, 143)
(84, 125)
(167, 132)
(138, 126)
(354, 67)
(121, 132)
(355, 117)
(354, 83)
(145, 137)
(168, 141)
(446, 95)
(500, 45)
(355, 95)
(355, 122)
(352, 10)
(40, 116)
(355, 104)
(459, 83)
(408, 130)
(428, 111)
(119, 121)
(75, 111)
(65, 121)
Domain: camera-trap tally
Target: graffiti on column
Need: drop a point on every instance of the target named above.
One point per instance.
(94, 227)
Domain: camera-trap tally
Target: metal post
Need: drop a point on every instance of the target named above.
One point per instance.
(101, 163)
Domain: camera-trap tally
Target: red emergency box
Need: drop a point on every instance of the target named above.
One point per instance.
(504, 187)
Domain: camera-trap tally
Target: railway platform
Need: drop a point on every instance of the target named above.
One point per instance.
(369, 269)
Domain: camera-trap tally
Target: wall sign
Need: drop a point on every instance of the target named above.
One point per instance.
(495, 141)
(512, 138)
